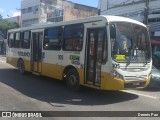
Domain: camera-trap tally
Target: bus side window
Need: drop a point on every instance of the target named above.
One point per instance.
(25, 41)
(11, 40)
(17, 40)
(52, 39)
(102, 46)
(73, 37)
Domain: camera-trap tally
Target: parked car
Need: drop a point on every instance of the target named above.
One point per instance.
(155, 74)
(156, 59)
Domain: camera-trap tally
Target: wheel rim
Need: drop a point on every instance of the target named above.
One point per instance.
(21, 67)
(72, 80)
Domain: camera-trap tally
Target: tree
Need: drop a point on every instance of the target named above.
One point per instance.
(1, 17)
(5, 26)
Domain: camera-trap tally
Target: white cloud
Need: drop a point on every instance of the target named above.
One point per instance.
(14, 13)
(1, 10)
(8, 14)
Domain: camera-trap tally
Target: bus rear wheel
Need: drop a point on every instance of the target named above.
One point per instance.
(72, 80)
(21, 67)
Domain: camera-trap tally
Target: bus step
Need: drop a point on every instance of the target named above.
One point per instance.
(92, 86)
(36, 73)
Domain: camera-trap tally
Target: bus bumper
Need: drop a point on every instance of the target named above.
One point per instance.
(110, 83)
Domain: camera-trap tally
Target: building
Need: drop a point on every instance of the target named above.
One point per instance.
(66, 10)
(40, 11)
(31, 12)
(146, 11)
(16, 19)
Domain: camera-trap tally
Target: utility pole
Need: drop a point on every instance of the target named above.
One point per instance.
(146, 11)
(107, 4)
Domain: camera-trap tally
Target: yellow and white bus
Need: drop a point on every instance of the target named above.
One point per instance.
(103, 52)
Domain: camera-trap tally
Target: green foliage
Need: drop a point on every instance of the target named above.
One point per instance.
(1, 17)
(5, 26)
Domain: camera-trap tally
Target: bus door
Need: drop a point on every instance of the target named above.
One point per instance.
(94, 55)
(36, 51)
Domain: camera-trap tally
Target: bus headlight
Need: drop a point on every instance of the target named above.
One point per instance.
(115, 74)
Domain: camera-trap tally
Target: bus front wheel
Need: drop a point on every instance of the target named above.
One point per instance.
(21, 68)
(72, 80)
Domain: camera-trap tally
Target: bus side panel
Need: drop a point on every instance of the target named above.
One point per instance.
(12, 61)
(13, 55)
(108, 83)
(81, 75)
(52, 70)
(27, 65)
(56, 71)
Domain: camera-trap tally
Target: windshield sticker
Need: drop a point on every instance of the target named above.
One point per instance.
(120, 57)
(75, 59)
(125, 45)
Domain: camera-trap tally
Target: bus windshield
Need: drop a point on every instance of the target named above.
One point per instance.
(130, 42)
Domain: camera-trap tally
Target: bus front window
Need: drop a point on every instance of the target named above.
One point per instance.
(131, 43)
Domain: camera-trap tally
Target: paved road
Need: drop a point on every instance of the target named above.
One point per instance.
(33, 93)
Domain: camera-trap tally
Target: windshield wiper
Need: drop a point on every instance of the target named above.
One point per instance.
(130, 53)
(129, 58)
(145, 60)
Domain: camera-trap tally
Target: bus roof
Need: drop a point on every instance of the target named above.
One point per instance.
(122, 19)
(106, 18)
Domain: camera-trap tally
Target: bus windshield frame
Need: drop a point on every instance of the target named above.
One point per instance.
(130, 43)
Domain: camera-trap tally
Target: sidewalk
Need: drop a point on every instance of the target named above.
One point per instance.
(2, 55)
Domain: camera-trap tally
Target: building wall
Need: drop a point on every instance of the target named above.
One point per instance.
(75, 11)
(40, 11)
(66, 10)
(131, 10)
(35, 11)
(134, 9)
(30, 12)
(46, 5)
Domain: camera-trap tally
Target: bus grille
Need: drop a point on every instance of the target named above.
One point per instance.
(135, 78)
(134, 69)
(133, 85)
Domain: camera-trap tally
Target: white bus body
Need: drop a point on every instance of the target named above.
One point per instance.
(87, 52)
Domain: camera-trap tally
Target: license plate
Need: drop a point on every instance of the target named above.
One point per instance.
(136, 84)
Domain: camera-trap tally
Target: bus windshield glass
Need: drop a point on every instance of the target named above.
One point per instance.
(130, 42)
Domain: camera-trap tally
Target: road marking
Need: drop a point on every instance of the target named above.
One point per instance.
(140, 94)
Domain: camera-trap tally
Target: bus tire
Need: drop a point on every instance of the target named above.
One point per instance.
(72, 80)
(21, 67)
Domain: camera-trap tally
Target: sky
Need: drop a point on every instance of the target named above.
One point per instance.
(10, 8)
